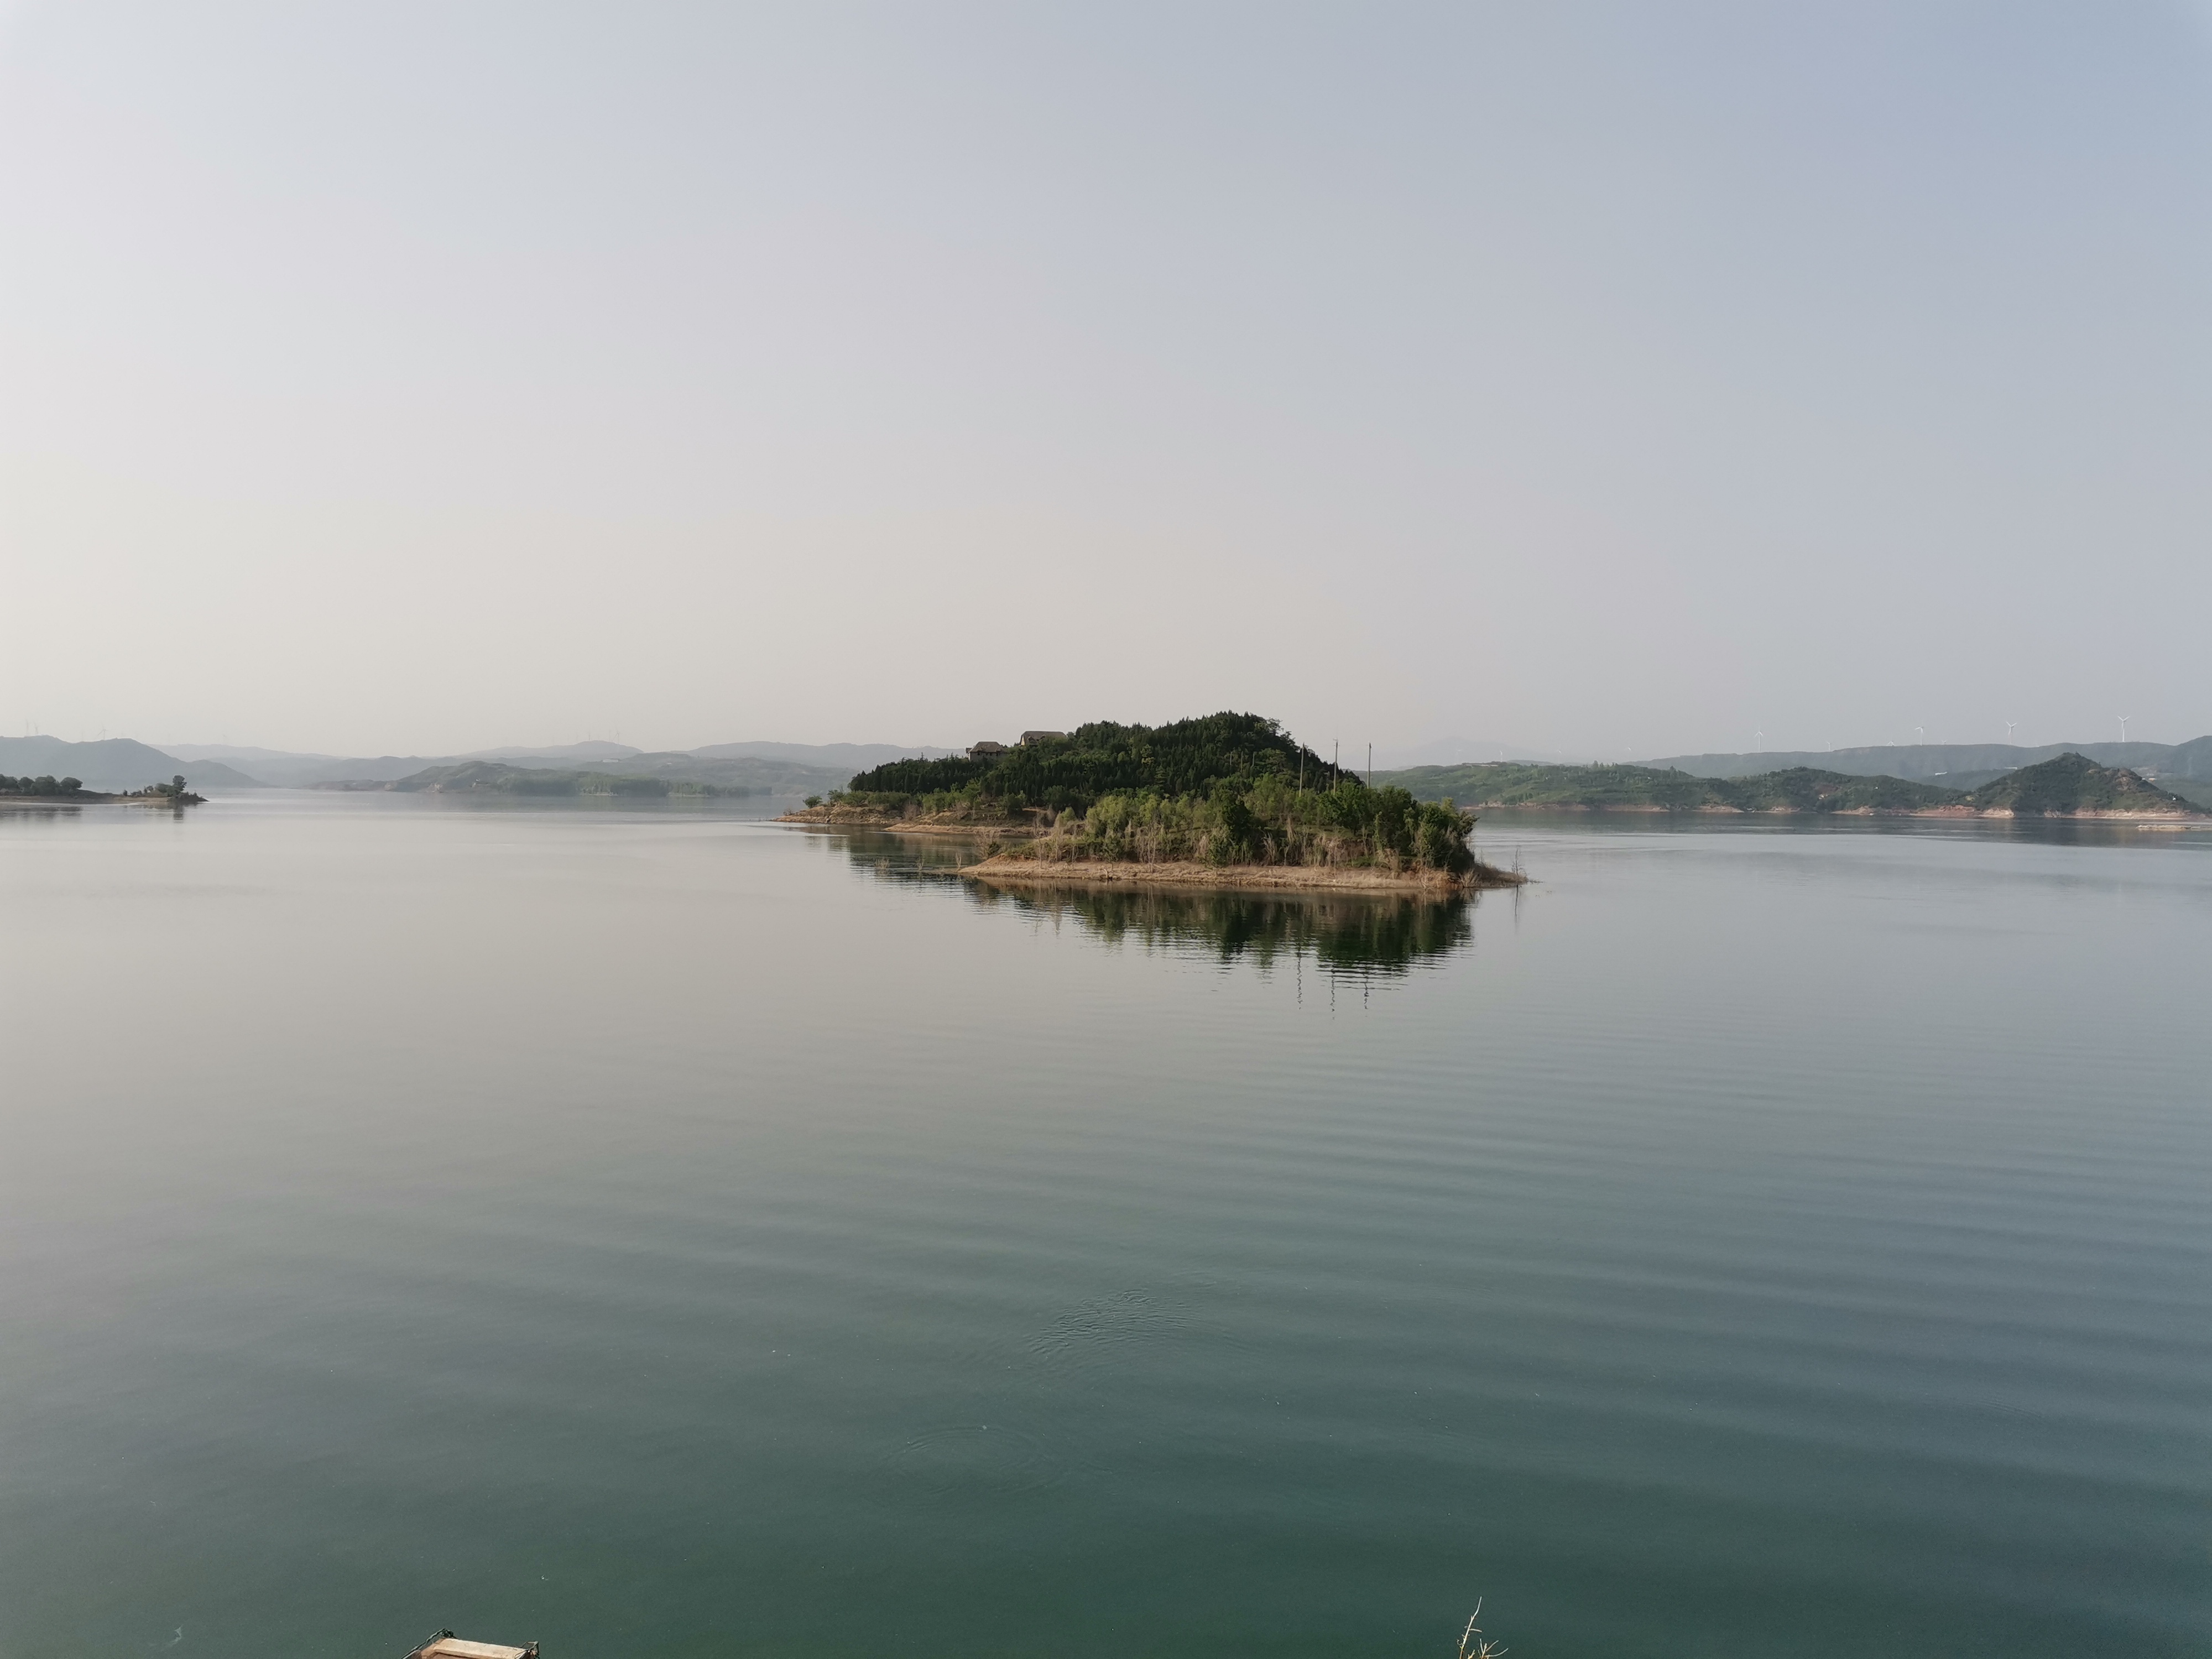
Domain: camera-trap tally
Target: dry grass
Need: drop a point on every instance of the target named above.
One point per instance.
(1472, 1644)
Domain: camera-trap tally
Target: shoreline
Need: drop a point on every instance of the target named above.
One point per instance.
(1249, 878)
(51, 803)
(1955, 814)
(1181, 873)
(819, 818)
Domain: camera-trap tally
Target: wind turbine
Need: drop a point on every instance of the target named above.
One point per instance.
(1758, 743)
(2008, 726)
(1921, 731)
(2122, 720)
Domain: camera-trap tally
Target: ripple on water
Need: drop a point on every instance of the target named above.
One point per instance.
(960, 1463)
(1106, 1328)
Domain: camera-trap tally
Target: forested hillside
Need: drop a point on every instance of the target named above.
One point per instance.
(2074, 784)
(1186, 757)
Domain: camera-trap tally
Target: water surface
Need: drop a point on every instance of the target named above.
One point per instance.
(658, 1233)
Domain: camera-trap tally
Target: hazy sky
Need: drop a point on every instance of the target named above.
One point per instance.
(1622, 379)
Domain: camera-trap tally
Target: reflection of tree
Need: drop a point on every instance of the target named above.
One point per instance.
(909, 858)
(1350, 935)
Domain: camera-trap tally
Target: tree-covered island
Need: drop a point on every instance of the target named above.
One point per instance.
(1226, 799)
(43, 790)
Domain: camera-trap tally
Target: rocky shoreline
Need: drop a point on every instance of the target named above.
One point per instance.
(1252, 877)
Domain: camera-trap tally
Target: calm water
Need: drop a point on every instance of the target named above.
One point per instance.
(659, 1234)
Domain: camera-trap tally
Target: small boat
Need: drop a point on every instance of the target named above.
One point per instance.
(446, 1645)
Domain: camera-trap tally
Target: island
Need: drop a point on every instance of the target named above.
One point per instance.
(2068, 786)
(48, 792)
(1225, 800)
(2072, 786)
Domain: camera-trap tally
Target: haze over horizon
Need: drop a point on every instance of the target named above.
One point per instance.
(1597, 380)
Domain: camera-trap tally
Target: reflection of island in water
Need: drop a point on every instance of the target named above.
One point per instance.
(1348, 935)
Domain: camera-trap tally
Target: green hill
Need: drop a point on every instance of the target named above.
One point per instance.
(1221, 789)
(1658, 789)
(1808, 789)
(1947, 764)
(2074, 785)
(1187, 757)
(2065, 786)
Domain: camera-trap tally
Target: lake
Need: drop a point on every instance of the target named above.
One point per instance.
(658, 1233)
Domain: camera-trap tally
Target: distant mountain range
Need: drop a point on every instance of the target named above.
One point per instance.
(2069, 785)
(685, 772)
(497, 777)
(1453, 751)
(112, 765)
(2184, 767)
(1961, 766)
(120, 763)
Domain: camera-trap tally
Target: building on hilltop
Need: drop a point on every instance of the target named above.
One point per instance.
(1029, 737)
(985, 750)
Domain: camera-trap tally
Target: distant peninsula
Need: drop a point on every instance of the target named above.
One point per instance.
(2068, 786)
(1222, 800)
(44, 791)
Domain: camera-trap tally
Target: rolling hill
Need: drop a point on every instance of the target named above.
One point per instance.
(1961, 765)
(1508, 784)
(2074, 785)
(2066, 785)
(114, 764)
(779, 768)
(497, 777)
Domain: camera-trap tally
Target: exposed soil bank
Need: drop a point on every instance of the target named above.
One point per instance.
(1262, 877)
(2180, 820)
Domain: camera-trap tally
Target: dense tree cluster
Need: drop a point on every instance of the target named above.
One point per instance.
(1104, 757)
(1270, 822)
(39, 786)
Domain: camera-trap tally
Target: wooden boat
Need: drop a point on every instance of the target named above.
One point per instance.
(446, 1645)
